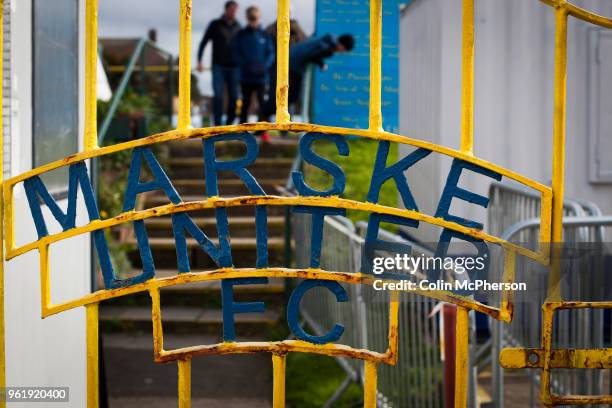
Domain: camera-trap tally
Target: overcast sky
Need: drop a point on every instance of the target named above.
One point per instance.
(133, 18)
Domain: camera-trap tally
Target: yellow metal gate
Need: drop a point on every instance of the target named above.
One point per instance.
(545, 358)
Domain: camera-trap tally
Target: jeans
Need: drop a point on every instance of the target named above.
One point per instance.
(248, 90)
(223, 76)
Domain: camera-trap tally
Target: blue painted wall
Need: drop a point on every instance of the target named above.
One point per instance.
(340, 95)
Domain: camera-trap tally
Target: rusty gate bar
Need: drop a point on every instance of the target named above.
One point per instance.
(466, 146)
(279, 362)
(516, 337)
(467, 79)
(577, 358)
(512, 214)
(562, 10)
(90, 141)
(558, 160)
(91, 312)
(184, 88)
(375, 120)
(184, 383)
(369, 392)
(282, 61)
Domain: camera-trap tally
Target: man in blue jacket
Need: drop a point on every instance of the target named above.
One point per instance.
(253, 50)
(313, 51)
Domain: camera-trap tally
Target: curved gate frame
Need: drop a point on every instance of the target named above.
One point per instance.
(550, 228)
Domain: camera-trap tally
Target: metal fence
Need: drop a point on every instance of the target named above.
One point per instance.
(512, 215)
(417, 379)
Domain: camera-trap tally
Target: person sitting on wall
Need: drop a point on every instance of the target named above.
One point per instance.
(313, 51)
(253, 50)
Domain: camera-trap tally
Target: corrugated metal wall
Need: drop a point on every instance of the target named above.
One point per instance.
(420, 93)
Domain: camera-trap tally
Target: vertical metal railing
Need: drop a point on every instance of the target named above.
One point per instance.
(90, 143)
(91, 75)
(416, 380)
(138, 54)
(184, 88)
(512, 214)
(120, 91)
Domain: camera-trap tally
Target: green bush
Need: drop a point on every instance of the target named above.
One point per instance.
(135, 106)
(357, 167)
(312, 379)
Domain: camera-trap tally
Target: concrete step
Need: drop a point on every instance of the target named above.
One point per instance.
(206, 402)
(239, 226)
(244, 253)
(204, 294)
(238, 243)
(134, 380)
(278, 147)
(229, 186)
(483, 398)
(242, 211)
(516, 392)
(264, 167)
(199, 161)
(181, 319)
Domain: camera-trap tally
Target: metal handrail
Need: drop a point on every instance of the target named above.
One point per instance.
(568, 221)
(494, 344)
(123, 84)
(571, 207)
(590, 207)
(568, 204)
(391, 237)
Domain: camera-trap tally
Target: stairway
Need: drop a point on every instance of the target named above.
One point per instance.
(191, 314)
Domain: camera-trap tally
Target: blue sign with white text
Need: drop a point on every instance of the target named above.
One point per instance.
(341, 93)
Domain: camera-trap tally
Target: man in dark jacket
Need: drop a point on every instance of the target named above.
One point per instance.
(313, 51)
(253, 50)
(224, 70)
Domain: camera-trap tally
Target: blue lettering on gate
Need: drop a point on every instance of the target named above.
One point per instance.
(77, 175)
(452, 190)
(293, 310)
(328, 166)
(37, 195)
(134, 187)
(239, 167)
(380, 174)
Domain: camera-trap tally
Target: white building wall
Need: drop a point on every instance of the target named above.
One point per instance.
(49, 352)
(514, 61)
(420, 97)
(6, 92)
